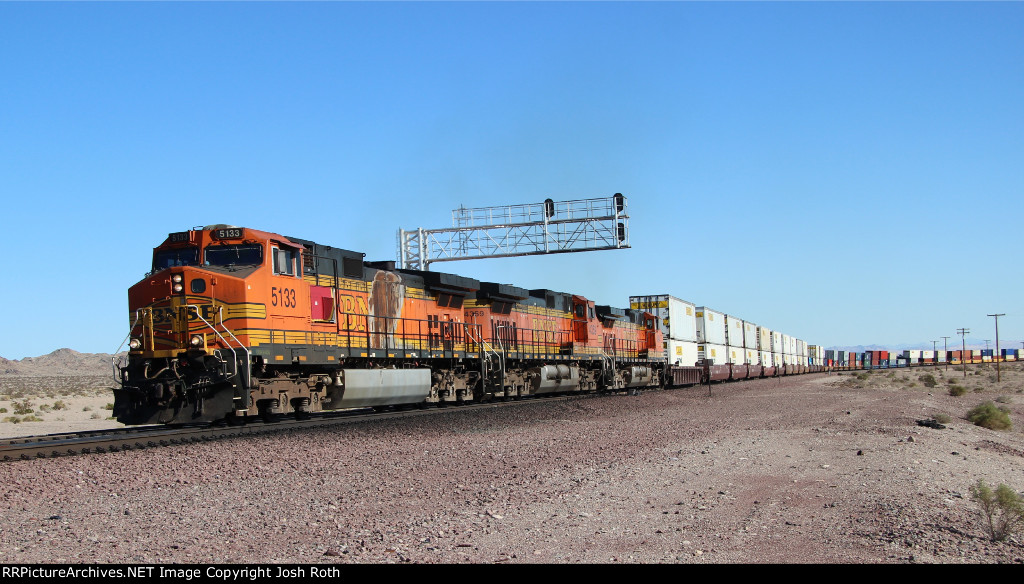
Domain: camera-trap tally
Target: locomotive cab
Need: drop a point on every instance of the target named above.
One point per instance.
(187, 315)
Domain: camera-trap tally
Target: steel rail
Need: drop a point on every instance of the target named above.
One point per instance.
(141, 437)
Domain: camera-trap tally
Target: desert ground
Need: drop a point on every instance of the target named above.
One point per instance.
(810, 469)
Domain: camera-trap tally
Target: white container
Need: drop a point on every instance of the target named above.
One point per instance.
(929, 355)
(764, 339)
(736, 355)
(710, 326)
(750, 335)
(733, 332)
(751, 356)
(717, 354)
(681, 352)
(766, 358)
(788, 345)
(675, 316)
(776, 346)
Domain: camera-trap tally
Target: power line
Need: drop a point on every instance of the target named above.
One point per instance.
(963, 349)
(945, 351)
(996, 356)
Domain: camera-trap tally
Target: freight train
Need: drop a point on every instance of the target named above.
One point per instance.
(233, 324)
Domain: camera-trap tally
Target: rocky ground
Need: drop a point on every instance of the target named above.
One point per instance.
(818, 468)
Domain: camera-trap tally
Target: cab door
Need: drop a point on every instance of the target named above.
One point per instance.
(579, 319)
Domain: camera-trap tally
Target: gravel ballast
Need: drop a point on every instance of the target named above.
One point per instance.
(816, 468)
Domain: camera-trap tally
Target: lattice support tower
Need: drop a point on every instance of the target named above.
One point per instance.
(519, 230)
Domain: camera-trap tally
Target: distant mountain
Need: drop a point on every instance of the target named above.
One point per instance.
(62, 362)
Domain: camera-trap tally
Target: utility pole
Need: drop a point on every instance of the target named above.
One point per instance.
(963, 344)
(996, 356)
(945, 351)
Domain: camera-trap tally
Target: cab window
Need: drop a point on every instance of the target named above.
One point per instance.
(284, 261)
(234, 255)
(167, 258)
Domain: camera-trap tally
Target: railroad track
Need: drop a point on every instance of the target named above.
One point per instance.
(142, 437)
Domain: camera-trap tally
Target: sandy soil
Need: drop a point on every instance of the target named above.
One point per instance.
(50, 405)
(830, 469)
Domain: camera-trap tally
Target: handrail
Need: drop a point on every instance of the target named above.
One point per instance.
(234, 354)
(488, 347)
(114, 359)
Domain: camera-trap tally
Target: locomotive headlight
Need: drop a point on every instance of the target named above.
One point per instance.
(178, 287)
(135, 344)
(196, 340)
(177, 278)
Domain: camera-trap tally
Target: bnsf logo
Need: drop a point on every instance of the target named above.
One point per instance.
(167, 314)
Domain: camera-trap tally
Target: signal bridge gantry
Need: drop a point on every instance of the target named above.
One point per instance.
(519, 230)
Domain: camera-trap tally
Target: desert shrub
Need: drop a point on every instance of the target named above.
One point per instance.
(23, 407)
(95, 416)
(44, 408)
(987, 415)
(108, 407)
(957, 390)
(1004, 399)
(928, 380)
(1003, 509)
(87, 409)
(3, 410)
(979, 389)
(60, 405)
(942, 418)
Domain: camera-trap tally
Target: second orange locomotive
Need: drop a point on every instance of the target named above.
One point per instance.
(233, 323)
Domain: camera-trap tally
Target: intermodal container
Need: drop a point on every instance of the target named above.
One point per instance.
(767, 365)
(710, 326)
(750, 335)
(764, 339)
(734, 332)
(676, 317)
(681, 352)
(753, 359)
(717, 354)
(788, 345)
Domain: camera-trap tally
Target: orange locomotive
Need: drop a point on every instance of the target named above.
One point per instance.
(233, 323)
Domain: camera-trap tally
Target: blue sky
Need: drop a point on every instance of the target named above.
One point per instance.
(847, 173)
